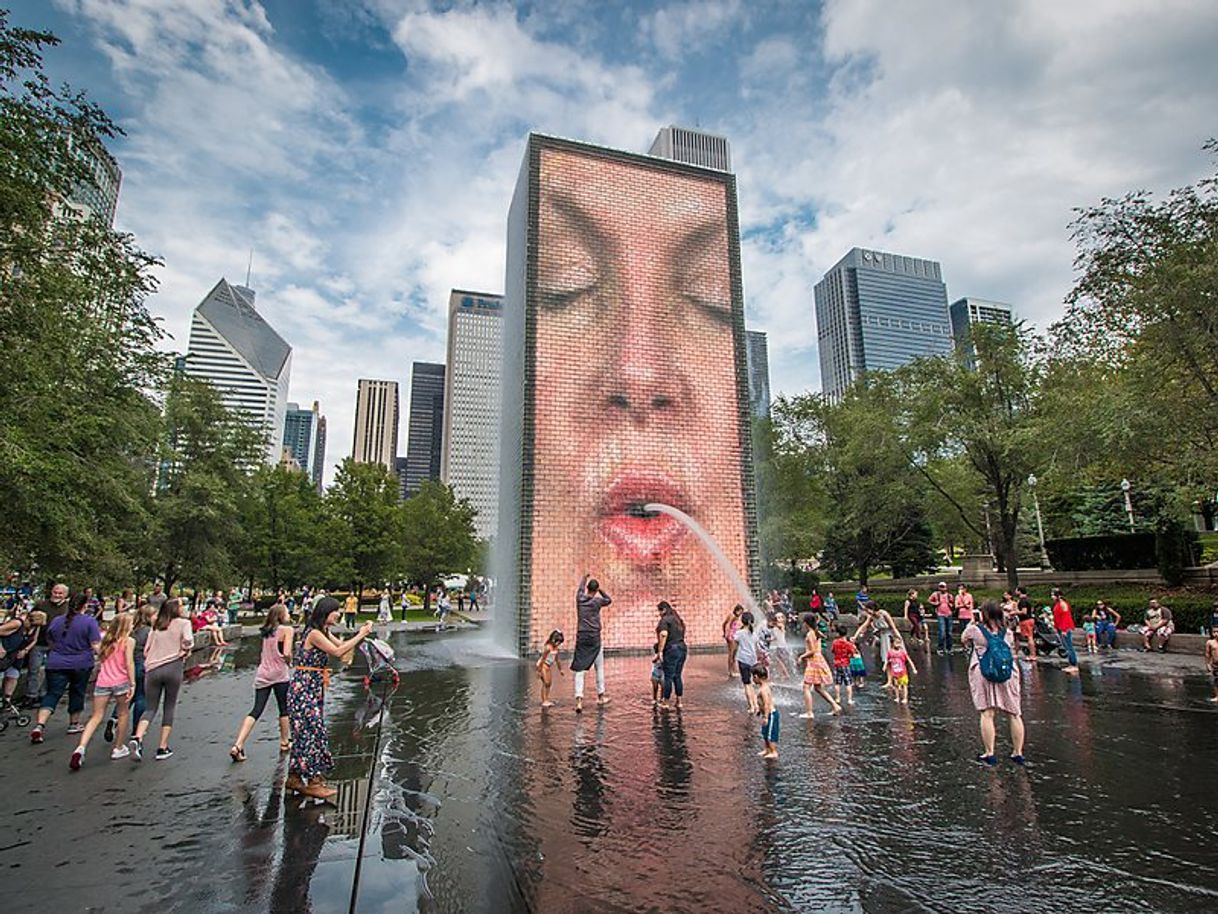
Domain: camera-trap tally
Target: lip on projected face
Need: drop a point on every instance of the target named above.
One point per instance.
(637, 536)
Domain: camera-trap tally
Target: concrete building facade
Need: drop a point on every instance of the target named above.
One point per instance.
(470, 454)
(376, 423)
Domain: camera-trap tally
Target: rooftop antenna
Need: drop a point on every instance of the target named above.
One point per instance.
(249, 268)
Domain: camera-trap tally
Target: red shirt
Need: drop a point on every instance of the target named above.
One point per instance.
(1063, 619)
(843, 649)
(816, 602)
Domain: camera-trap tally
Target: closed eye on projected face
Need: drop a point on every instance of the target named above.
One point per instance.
(609, 260)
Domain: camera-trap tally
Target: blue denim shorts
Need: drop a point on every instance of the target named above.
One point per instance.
(118, 691)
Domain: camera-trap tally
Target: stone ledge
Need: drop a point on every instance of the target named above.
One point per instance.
(203, 639)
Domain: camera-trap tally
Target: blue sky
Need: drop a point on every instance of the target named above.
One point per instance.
(367, 149)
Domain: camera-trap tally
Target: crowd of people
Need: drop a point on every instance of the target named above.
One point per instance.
(133, 659)
(757, 649)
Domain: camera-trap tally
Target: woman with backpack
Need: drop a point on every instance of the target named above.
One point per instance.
(993, 680)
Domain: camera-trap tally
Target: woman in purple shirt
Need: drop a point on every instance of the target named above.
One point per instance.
(73, 639)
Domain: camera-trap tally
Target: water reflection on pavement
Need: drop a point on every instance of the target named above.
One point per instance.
(482, 802)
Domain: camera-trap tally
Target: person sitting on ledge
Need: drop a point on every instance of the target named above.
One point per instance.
(1159, 627)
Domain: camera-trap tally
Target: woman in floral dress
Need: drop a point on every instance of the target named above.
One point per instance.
(311, 760)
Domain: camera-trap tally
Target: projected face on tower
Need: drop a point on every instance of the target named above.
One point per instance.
(636, 393)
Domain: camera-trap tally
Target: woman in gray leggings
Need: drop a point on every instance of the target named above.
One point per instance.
(169, 644)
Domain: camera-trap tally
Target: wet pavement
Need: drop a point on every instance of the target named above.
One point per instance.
(482, 802)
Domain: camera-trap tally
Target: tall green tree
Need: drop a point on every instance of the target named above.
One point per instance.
(789, 500)
(986, 413)
(203, 478)
(78, 435)
(282, 529)
(438, 535)
(364, 537)
(874, 503)
(1142, 327)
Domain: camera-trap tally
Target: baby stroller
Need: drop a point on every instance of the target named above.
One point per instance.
(10, 713)
(1046, 637)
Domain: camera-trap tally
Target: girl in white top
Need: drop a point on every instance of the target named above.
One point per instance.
(746, 657)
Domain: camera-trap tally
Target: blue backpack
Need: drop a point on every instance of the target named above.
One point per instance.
(996, 663)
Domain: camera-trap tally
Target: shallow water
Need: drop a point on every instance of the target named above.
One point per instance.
(482, 802)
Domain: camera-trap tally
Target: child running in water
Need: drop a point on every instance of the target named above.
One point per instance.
(816, 670)
(899, 666)
(115, 679)
(1211, 661)
(657, 674)
(844, 651)
(545, 666)
(767, 712)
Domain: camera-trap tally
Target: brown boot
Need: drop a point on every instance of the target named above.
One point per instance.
(318, 790)
(294, 784)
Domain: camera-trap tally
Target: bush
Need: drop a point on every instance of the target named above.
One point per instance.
(1175, 549)
(1096, 553)
(779, 577)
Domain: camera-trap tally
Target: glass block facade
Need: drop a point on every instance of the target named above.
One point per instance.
(624, 383)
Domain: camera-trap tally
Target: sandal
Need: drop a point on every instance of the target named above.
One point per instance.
(237, 754)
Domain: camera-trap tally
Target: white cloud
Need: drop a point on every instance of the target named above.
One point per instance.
(681, 28)
(966, 134)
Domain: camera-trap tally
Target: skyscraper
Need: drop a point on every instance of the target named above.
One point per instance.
(470, 454)
(757, 358)
(877, 311)
(98, 196)
(234, 349)
(694, 147)
(319, 453)
(376, 423)
(968, 311)
(425, 430)
(301, 428)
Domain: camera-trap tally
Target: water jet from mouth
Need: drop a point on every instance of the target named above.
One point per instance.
(746, 597)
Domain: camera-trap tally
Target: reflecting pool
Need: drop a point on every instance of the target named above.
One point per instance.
(483, 802)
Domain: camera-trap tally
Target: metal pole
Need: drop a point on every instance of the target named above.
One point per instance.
(1129, 511)
(1040, 530)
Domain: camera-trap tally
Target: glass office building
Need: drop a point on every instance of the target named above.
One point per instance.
(876, 311)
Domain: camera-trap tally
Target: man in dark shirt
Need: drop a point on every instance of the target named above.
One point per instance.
(55, 605)
(589, 652)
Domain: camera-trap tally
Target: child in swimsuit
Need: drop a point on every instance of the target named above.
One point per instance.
(1089, 630)
(657, 674)
(899, 665)
(546, 663)
(767, 712)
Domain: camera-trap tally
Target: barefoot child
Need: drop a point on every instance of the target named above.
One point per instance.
(816, 670)
(767, 712)
(1089, 631)
(843, 652)
(546, 663)
(1211, 661)
(115, 679)
(657, 674)
(899, 665)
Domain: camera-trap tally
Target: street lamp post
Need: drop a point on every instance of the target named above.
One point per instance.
(1040, 527)
(1125, 487)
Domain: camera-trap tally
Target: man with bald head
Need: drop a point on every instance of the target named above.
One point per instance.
(54, 605)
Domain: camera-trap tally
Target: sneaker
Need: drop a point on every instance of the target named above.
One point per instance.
(137, 748)
(36, 735)
(75, 728)
(987, 760)
(119, 752)
(162, 754)
(78, 758)
(1019, 760)
(108, 736)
